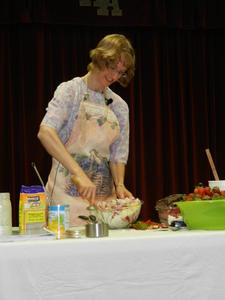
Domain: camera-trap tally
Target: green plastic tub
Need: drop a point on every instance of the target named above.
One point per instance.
(205, 214)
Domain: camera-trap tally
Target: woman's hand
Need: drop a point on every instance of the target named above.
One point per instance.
(52, 143)
(118, 172)
(122, 192)
(85, 187)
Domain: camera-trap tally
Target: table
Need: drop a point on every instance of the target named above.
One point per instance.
(128, 264)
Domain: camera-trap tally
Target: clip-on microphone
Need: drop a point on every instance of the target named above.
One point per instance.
(108, 101)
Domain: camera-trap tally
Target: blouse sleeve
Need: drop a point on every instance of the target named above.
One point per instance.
(62, 110)
(119, 150)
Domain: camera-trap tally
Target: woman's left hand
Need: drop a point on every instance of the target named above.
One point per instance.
(122, 192)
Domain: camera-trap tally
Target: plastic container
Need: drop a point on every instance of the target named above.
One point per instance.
(203, 214)
(58, 219)
(217, 183)
(5, 214)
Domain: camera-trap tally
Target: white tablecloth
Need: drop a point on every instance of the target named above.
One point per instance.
(128, 264)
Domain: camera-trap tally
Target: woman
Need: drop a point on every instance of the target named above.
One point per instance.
(86, 131)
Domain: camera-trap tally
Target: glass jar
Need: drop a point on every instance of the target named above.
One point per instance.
(5, 214)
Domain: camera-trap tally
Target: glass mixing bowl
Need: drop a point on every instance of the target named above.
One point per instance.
(118, 213)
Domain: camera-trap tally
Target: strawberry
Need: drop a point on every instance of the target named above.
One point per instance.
(201, 191)
(216, 189)
(207, 190)
(196, 190)
(189, 197)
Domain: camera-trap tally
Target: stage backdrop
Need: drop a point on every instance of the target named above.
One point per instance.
(176, 99)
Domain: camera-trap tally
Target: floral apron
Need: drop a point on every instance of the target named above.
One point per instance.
(95, 129)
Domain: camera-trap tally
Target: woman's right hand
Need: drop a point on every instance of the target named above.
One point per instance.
(52, 143)
(85, 187)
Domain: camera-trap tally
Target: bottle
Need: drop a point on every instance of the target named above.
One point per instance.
(5, 214)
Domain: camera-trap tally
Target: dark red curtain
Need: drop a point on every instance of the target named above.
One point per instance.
(176, 99)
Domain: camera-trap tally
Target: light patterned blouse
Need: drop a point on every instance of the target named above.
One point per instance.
(63, 110)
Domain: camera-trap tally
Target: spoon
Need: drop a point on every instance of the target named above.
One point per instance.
(42, 183)
(215, 174)
(92, 211)
(91, 218)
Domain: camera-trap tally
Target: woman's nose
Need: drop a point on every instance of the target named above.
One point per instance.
(115, 75)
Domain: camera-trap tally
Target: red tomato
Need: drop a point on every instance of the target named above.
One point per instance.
(201, 191)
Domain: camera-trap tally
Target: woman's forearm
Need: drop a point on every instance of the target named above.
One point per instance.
(118, 173)
(56, 149)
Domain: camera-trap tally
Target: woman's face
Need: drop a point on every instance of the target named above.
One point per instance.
(112, 73)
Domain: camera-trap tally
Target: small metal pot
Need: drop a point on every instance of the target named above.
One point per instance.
(95, 230)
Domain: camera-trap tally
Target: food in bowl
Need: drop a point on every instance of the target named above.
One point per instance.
(118, 213)
(202, 192)
(204, 208)
(166, 209)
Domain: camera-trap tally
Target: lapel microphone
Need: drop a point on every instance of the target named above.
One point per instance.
(108, 101)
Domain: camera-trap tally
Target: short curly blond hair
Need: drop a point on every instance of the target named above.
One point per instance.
(108, 54)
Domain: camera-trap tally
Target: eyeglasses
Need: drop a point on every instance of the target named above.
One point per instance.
(114, 69)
